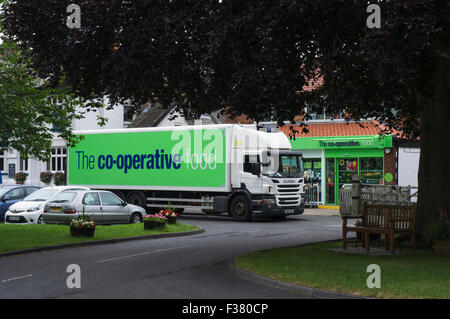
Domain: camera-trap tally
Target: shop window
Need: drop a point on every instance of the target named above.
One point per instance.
(58, 160)
(371, 171)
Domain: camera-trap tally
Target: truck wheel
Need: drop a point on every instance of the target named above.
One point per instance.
(240, 209)
(137, 198)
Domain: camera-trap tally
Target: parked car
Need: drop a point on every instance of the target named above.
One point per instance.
(29, 211)
(103, 207)
(10, 194)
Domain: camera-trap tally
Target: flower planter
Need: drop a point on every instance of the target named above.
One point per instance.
(441, 247)
(150, 224)
(82, 231)
(171, 220)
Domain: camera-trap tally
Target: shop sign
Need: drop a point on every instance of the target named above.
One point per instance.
(341, 142)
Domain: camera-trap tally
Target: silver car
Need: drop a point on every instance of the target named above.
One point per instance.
(102, 206)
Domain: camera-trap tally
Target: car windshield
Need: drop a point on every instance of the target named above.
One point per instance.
(4, 190)
(64, 197)
(41, 195)
(290, 166)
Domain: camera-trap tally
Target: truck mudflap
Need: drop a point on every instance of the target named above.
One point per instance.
(268, 208)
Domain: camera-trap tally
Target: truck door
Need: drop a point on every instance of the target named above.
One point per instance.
(251, 174)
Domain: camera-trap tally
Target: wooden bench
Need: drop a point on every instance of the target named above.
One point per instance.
(383, 219)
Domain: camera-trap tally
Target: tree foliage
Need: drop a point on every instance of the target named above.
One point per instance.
(30, 110)
(255, 57)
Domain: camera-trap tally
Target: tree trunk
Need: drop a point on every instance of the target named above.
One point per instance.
(434, 165)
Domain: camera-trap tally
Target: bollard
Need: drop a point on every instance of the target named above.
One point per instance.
(356, 195)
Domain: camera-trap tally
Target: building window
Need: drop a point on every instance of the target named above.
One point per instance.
(57, 162)
(2, 160)
(23, 164)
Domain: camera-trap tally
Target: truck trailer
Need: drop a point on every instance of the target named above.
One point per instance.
(228, 168)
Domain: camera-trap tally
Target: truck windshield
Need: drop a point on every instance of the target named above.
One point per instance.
(290, 166)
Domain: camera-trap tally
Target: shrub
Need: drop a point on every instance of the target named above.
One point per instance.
(46, 177)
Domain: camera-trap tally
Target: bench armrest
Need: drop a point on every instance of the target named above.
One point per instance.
(351, 217)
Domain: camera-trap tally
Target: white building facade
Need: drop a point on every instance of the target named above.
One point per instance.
(11, 162)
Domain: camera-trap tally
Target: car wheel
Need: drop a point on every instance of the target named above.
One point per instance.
(136, 218)
(240, 208)
(40, 220)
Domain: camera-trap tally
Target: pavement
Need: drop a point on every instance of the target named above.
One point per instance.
(194, 267)
(321, 212)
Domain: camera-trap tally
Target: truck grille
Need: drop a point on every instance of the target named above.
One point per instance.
(288, 195)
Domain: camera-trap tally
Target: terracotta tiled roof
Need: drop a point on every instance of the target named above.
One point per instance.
(242, 119)
(334, 129)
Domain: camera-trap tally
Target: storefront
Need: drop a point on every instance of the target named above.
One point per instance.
(330, 162)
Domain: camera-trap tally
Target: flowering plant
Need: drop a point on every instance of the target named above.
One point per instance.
(82, 223)
(20, 177)
(82, 226)
(168, 213)
(156, 218)
(59, 178)
(46, 177)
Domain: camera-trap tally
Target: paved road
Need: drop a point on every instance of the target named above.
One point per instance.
(184, 267)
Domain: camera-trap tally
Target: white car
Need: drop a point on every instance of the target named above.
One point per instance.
(29, 211)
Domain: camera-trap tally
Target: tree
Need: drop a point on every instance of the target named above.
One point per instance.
(31, 111)
(254, 57)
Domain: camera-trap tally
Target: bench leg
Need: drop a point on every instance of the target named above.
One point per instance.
(392, 241)
(366, 236)
(344, 239)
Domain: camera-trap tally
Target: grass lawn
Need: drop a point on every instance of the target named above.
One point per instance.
(17, 237)
(419, 275)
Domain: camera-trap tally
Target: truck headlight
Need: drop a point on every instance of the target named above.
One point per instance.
(269, 201)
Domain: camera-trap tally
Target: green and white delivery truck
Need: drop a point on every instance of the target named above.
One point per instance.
(230, 168)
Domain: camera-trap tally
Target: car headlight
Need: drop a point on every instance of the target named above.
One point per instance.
(33, 209)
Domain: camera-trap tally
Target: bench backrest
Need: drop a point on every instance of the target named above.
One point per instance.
(383, 216)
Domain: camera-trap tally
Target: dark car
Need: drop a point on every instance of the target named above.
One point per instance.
(10, 194)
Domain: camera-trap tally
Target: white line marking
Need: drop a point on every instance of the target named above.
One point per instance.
(17, 278)
(144, 253)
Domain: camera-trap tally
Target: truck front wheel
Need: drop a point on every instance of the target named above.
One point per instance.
(240, 208)
(137, 198)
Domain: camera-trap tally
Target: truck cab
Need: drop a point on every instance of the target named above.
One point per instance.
(267, 172)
